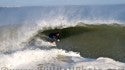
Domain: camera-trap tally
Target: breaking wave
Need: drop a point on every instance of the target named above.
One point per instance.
(88, 38)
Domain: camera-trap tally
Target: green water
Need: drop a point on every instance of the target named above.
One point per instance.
(93, 41)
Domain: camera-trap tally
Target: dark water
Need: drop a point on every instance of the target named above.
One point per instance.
(93, 41)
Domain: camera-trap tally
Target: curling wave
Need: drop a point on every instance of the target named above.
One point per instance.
(89, 39)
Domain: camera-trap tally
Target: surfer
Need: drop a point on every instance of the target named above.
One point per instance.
(54, 37)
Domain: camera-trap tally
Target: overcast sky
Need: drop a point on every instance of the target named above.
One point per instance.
(58, 2)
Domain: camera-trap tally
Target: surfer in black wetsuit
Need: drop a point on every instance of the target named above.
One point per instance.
(53, 37)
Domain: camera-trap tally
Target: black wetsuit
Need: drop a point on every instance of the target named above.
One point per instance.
(53, 37)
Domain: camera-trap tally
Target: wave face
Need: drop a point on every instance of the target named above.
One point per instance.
(106, 40)
(92, 37)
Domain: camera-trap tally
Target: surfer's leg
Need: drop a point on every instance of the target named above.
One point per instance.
(51, 40)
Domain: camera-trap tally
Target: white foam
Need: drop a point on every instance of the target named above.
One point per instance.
(31, 59)
(101, 63)
(42, 43)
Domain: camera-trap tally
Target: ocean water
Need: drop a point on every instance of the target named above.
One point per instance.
(92, 37)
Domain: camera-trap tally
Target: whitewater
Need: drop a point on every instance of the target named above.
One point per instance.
(22, 48)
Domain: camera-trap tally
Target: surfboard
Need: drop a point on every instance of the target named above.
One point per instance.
(53, 43)
(47, 41)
